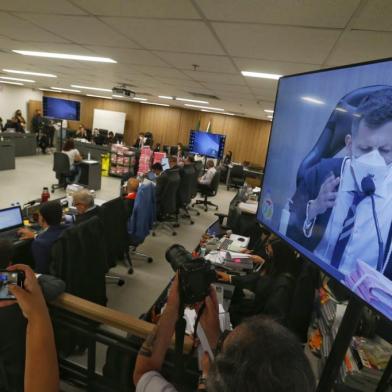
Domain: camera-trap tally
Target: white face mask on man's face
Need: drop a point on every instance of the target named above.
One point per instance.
(371, 163)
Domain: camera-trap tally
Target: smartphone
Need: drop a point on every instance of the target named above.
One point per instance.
(8, 278)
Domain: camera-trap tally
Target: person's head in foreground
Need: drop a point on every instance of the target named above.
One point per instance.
(69, 145)
(260, 355)
(132, 185)
(210, 163)
(50, 214)
(371, 130)
(83, 200)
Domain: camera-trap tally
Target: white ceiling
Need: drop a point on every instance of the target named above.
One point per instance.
(157, 42)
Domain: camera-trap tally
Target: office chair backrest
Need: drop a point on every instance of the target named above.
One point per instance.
(215, 182)
(61, 164)
(332, 138)
(169, 197)
(237, 171)
(187, 185)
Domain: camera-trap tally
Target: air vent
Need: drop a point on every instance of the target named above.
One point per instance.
(202, 95)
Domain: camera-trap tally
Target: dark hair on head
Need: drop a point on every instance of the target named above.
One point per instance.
(157, 166)
(210, 163)
(110, 133)
(52, 212)
(284, 260)
(69, 144)
(261, 356)
(375, 109)
(6, 253)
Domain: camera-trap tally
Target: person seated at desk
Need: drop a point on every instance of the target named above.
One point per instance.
(74, 158)
(206, 179)
(155, 172)
(110, 139)
(83, 201)
(81, 132)
(49, 219)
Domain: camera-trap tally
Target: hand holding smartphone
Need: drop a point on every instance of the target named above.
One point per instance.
(8, 278)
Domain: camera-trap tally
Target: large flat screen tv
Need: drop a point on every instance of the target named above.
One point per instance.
(63, 109)
(210, 145)
(327, 186)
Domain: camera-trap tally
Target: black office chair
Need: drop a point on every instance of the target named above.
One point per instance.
(62, 169)
(185, 190)
(237, 177)
(167, 208)
(209, 191)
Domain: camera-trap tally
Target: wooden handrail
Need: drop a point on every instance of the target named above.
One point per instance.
(114, 318)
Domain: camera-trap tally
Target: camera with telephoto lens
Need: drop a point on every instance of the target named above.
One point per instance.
(195, 275)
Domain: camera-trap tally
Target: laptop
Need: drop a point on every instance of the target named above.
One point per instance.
(11, 220)
(234, 243)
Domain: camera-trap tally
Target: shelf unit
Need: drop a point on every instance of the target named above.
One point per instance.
(122, 160)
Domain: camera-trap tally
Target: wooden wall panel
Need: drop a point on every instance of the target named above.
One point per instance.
(246, 137)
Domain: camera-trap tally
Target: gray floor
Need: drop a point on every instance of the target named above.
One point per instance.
(142, 288)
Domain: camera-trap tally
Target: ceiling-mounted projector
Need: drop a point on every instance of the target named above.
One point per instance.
(123, 92)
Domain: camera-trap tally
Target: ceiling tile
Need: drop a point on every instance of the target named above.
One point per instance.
(19, 29)
(375, 15)
(44, 6)
(141, 8)
(322, 13)
(168, 35)
(157, 72)
(204, 62)
(281, 43)
(220, 87)
(280, 68)
(180, 83)
(216, 77)
(357, 46)
(80, 29)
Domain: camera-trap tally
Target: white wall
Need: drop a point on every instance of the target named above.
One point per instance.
(13, 98)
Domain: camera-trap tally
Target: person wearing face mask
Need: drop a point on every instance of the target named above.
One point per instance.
(332, 213)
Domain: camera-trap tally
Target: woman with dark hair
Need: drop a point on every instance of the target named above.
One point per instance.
(20, 122)
(74, 158)
(227, 158)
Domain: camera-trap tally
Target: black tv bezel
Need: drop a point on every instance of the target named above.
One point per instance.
(61, 99)
(205, 155)
(276, 232)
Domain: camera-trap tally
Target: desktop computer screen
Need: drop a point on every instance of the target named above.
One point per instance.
(63, 109)
(208, 144)
(327, 186)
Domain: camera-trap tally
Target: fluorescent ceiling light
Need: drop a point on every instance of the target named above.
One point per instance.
(192, 100)
(139, 99)
(313, 100)
(203, 107)
(210, 111)
(66, 89)
(65, 56)
(164, 97)
(155, 103)
(118, 96)
(17, 79)
(98, 96)
(262, 75)
(268, 111)
(270, 116)
(91, 88)
(15, 71)
(16, 83)
(49, 89)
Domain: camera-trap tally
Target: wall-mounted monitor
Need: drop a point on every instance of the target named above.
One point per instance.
(211, 145)
(327, 186)
(63, 109)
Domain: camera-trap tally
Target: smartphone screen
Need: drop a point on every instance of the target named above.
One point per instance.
(8, 278)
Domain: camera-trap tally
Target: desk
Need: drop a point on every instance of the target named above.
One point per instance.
(249, 173)
(7, 155)
(95, 150)
(25, 143)
(91, 174)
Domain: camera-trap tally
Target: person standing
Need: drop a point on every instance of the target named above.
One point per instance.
(20, 122)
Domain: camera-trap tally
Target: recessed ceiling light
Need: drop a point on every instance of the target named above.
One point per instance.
(313, 100)
(155, 103)
(268, 110)
(49, 89)
(139, 99)
(262, 75)
(91, 88)
(65, 56)
(15, 71)
(203, 107)
(164, 97)
(210, 111)
(98, 96)
(16, 83)
(66, 89)
(192, 100)
(17, 79)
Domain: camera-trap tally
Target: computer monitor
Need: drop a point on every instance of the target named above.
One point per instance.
(328, 176)
(210, 145)
(10, 218)
(63, 109)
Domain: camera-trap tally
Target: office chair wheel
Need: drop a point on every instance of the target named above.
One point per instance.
(216, 208)
(176, 225)
(198, 213)
(174, 233)
(121, 282)
(150, 260)
(130, 270)
(192, 222)
(153, 234)
(205, 209)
